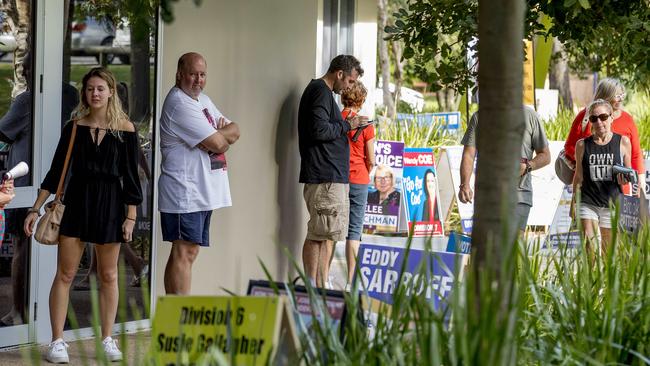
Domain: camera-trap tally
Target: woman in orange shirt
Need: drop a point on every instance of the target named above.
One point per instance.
(362, 159)
(612, 91)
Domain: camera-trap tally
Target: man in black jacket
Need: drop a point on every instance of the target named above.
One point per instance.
(325, 163)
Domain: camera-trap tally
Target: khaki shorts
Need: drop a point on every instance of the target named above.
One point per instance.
(329, 209)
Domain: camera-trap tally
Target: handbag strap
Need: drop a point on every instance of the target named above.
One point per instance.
(64, 172)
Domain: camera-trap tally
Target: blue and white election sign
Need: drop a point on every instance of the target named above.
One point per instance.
(459, 243)
(380, 267)
(449, 120)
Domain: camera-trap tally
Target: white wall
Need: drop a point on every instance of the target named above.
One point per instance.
(260, 54)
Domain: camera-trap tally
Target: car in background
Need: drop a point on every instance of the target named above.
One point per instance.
(92, 32)
(7, 43)
(7, 40)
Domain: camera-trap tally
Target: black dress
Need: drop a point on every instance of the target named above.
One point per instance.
(102, 180)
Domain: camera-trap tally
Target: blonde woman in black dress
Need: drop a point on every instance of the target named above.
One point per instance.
(101, 195)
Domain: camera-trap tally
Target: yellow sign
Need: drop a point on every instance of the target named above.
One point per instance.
(190, 330)
(529, 76)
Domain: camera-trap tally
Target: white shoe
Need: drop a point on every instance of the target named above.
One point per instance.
(57, 352)
(110, 348)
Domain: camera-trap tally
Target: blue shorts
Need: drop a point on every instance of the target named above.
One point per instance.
(358, 200)
(193, 227)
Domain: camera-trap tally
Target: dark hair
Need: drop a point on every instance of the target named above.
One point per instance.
(345, 63)
(426, 191)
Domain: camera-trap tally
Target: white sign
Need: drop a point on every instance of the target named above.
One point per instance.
(561, 231)
(547, 104)
(547, 190)
(449, 178)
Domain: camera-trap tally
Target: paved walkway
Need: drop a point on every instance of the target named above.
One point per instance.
(136, 349)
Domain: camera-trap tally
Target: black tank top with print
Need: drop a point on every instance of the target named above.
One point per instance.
(599, 186)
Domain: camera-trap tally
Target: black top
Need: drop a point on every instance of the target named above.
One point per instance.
(322, 136)
(599, 186)
(103, 179)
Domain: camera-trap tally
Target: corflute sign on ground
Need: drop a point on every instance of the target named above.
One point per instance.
(380, 267)
(420, 183)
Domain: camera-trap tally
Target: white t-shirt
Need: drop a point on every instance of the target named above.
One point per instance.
(191, 180)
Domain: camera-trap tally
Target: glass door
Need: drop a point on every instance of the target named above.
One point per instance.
(17, 106)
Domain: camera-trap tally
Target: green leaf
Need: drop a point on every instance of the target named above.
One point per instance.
(584, 4)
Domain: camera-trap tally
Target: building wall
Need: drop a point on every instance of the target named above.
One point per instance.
(260, 55)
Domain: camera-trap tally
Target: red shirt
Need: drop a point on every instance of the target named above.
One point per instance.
(623, 125)
(358, 170)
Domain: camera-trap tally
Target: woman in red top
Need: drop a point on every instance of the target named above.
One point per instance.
(612, 91)
(362, 159)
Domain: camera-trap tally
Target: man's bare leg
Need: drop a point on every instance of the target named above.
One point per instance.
(310, 254)
(178, 272)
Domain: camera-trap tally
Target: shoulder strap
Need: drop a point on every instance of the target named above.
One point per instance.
(64, 172)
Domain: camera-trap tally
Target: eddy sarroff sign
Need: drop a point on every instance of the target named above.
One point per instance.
(380, 267)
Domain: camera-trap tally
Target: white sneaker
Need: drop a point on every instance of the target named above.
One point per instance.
(57, 352)
(110, 348)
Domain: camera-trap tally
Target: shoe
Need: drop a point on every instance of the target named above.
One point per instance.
(57, 352)
(110, 348)
(143, 276)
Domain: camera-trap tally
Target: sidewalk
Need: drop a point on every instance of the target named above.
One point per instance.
(137, 347)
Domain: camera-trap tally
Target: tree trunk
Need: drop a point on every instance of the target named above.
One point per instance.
(384, 60)
(140, 94)
(558, 75)
(67, 40)
(501, 126)
(500, 134)
(19, 18)
(398, 73)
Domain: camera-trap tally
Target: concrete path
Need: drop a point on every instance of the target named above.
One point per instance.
(81, 352)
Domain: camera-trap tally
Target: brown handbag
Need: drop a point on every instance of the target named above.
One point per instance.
(47, 229)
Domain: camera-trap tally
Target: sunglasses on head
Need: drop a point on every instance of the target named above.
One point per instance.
(603, 117)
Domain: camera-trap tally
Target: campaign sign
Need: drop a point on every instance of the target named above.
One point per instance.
(630, 213)
(380, 267)
(384, 192)
(334, 301)
(248, 330)
(448, 120)
(420, 185)
(459, 243)
(562, 231)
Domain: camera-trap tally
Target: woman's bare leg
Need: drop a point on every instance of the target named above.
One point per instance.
(107, 258)
(67, 262)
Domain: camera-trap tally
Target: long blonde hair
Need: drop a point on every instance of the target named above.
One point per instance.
(114, 112)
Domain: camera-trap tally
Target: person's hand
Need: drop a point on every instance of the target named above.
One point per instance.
(522, 169)
(621, 179)
(127, 230)
(465, 194)
(30, 220)
(222, 122)
(7, 186)
(7, 192)
(356, 121)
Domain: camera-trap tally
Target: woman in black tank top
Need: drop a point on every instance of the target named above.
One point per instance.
(595, 157)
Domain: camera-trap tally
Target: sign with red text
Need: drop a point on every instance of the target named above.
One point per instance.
(420, 186)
